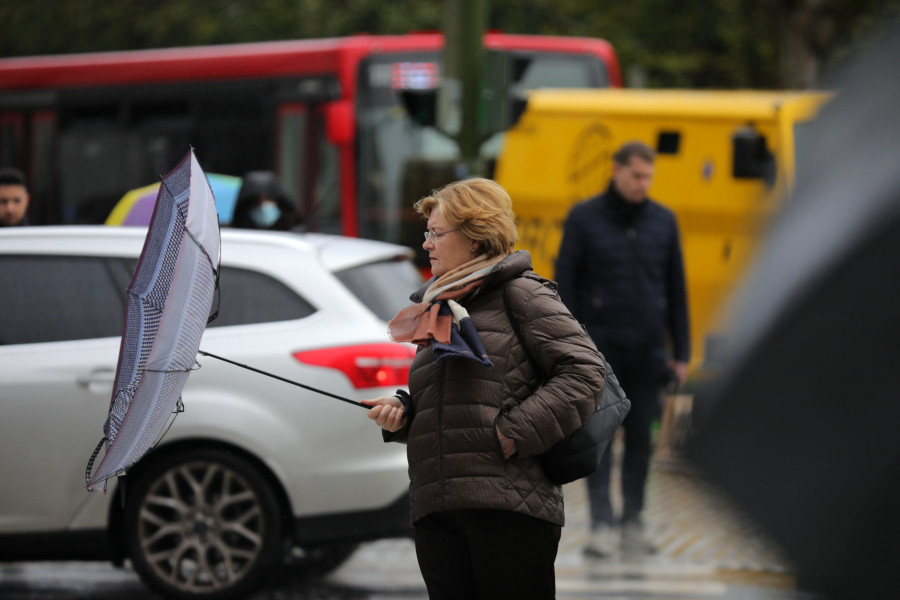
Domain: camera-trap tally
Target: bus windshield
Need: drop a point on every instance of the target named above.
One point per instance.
(400, 161)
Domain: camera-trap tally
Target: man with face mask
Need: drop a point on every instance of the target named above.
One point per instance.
(263, 204)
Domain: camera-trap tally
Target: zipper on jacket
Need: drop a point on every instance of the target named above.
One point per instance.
(443, 367)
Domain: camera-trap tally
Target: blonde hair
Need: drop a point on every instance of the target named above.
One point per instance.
(479, 209)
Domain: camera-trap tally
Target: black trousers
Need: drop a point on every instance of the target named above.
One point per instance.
(640, 374)
(487, 555)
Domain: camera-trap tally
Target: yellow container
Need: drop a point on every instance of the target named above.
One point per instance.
(724, 162)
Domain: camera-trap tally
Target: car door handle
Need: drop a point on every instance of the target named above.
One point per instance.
(98, 381)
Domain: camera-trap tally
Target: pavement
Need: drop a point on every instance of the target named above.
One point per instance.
(707, 549)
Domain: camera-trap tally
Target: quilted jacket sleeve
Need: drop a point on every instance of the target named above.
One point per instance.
(575, 372)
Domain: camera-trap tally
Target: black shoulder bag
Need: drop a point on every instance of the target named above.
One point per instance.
(579, 454)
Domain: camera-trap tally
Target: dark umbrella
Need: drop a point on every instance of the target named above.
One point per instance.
(801, 426)
(168, 305)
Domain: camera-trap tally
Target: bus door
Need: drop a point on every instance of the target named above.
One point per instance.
(308, 166)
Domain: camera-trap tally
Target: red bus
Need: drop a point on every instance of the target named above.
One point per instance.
(323, 114)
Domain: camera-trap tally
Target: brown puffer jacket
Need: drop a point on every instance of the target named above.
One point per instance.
(455, 460)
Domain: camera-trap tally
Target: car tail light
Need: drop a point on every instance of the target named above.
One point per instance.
(368, 365)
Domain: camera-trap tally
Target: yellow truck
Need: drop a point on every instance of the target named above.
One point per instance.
(724, 162)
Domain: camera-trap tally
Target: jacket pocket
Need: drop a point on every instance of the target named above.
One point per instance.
(503, 412)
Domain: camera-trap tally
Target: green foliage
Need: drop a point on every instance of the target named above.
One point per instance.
(660, 43)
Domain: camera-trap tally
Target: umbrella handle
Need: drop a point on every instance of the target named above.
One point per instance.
(272, 375)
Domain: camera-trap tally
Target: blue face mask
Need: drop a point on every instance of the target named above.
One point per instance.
(265, 214)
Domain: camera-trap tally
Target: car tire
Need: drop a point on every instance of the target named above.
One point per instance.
(202, 523)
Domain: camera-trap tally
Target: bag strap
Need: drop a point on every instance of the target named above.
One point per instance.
(515, 325)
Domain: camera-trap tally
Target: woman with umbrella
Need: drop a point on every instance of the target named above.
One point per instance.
(487, 519)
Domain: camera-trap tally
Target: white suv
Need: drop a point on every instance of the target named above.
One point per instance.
(253, 467)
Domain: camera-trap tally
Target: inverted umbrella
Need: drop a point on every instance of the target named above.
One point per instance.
(168, 305)
(136, 206)
(167, 309)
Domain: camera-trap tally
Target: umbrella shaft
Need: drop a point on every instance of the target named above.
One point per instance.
(292, 382)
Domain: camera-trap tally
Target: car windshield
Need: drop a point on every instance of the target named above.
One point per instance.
(383, 286)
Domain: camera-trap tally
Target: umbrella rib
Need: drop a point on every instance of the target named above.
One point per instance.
(292, 382)
(215, 269)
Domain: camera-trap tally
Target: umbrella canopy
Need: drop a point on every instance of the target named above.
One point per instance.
(136, 207)
(167, 308)
(801, 427)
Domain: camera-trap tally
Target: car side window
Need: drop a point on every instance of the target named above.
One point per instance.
(250, 297)
(60, 298)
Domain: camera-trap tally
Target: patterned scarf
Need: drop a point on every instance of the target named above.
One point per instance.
(441, 322)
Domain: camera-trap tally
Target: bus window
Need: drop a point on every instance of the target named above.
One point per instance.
(119, 139)
(292, 124)
(401, 160)
(43, 161)
(387, 140)
(327, 206)
(11, 142)
(308, 166)
(94, 161)
(561, 71)
(548, 70)
(234, 127)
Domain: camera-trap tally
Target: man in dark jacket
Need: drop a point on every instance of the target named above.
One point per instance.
(620, 273)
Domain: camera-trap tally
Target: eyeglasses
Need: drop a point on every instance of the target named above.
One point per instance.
(430, 235)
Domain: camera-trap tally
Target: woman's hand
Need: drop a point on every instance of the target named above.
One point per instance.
(508, 445)
(387, 412)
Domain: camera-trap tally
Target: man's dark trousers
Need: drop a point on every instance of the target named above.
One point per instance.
(639, 374)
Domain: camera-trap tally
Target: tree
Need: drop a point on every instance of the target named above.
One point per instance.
(710, 43)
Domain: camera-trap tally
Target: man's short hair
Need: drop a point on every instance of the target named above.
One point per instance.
(12, 176)
(640, 149)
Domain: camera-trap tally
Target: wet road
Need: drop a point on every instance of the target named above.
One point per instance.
(707, 551)
(619, 580)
